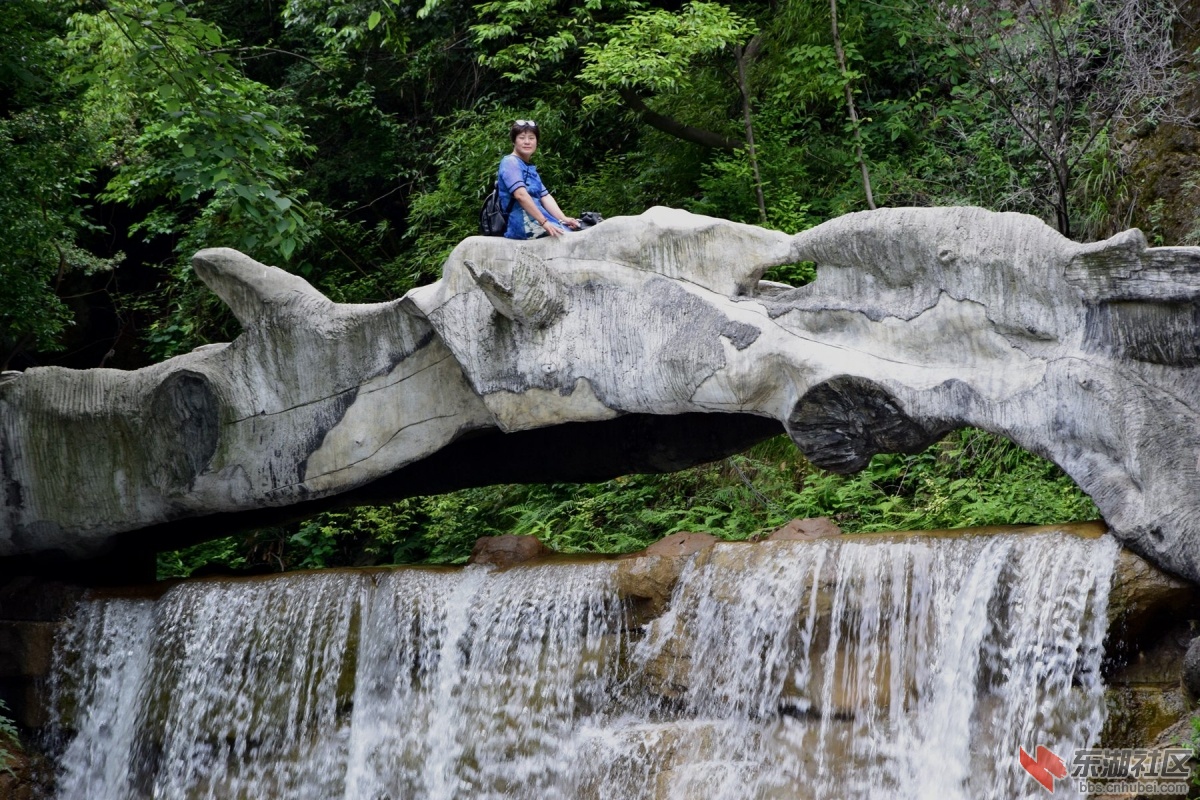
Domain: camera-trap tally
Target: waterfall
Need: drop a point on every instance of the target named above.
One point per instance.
(842, 668)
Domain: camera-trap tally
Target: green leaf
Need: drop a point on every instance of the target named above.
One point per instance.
(373, 20)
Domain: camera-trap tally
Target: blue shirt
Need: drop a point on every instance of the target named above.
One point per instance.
(512, 175)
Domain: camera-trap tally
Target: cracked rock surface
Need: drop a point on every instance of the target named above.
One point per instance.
(920, 321)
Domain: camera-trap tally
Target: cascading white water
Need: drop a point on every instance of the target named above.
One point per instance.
(841, 668)
(910, 669)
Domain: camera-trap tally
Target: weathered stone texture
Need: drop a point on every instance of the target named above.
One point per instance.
(921, 320)
(507, 550)
(805, 530)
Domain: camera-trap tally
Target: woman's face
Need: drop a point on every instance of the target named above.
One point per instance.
(525, 144)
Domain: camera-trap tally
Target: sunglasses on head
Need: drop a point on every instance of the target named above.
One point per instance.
(525, 123)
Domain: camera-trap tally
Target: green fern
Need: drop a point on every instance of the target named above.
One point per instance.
(10, 741)
(969, 478)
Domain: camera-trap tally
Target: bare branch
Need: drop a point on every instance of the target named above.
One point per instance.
(1067, 73)
(674, 127)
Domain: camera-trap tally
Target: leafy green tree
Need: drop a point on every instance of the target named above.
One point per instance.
(187, 125)
(657, 52)
(851, 108)
(812, 152)
(1069, 76)
(145, 102)
(534, 42)
(47, 154)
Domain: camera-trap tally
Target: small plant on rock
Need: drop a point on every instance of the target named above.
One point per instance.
(10, 742)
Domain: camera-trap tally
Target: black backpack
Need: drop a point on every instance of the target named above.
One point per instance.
(493, 220)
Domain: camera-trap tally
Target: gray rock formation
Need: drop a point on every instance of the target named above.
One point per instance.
(921, 320)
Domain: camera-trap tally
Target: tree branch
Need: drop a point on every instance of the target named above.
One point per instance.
(674, 127)
(854, 123)
(742, 56)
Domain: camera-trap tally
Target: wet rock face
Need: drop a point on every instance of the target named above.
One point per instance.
(805, 530)
(20, 781)
(1151, 674)
(507, 550)
(1191, 672)
(684, 543)
(921, 320)
(1144, 602)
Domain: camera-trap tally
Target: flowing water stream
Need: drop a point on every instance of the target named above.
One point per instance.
(910, 668)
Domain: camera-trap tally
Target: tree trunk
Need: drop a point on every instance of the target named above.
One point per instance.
(676, 128)
(858, 150)
(743, 85)
(1062, 178)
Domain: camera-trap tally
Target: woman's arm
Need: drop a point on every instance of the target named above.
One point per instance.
(551, 206)
(521, 195)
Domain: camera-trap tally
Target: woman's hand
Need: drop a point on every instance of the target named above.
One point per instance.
(551, 206)
(555, 230)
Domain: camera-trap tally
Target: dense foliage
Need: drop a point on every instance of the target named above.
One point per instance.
(10, 741)
(350, 141)
(969, 478)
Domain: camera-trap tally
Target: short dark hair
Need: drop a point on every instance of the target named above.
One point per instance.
(522, 125)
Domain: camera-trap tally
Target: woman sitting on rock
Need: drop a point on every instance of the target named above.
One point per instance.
(534, 212)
